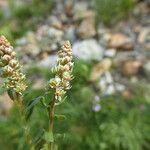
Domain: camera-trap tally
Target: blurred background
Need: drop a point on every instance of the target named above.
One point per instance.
(108, 107)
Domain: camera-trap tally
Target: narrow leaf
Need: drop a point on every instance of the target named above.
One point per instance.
(48, 136)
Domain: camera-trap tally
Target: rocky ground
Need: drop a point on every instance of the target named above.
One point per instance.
(122, 52)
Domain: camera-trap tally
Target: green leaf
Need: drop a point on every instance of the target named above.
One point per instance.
(30, 106)
(45, 147)
(60, 116)
(48, 136)
(44, 103)
(12, 94)
(61, 101)
(33, 103)
(38, 138)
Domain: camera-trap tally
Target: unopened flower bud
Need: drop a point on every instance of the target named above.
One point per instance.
(67, 76)
(65, 60)
(1, 53)
(13, 54)
(66, 85)
(5, 59)
(53, 83)
(13, 63)
(59, 92)
(7, 71)
(8, 50)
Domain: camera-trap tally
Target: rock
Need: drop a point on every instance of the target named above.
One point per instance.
(45, 39)
(144, 37)
(28, 45)
(81, 11)
(5, 104)
(110, 52)
(32, 49)
(49, 62)
(119, 41)
(86, 29)
(100, 68)
(47, 33)
(109, 90)
(146, 68)
(69, 33)
(68, 8)
(22, 41)
(106, 84)
(130, 67)
(39, 84)
(88, 50)
(55, 33)
(55, 22)
(119, 87)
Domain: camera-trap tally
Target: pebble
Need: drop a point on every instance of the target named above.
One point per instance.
(131, 67)
(146, 68)
(69, 34)
(49, 62)
(106, 84)
(119, 41)
(86, 29)
(5, 104)
(110, 52)
(144, 37)
(100, 69)
(88, 50)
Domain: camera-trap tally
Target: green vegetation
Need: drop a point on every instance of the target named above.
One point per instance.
(111, 11)
(121, 124)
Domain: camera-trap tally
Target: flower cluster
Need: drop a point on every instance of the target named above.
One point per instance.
(10, 67)
(63, 71)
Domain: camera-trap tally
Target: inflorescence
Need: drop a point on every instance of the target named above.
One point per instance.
(10, 67)
(63, 71)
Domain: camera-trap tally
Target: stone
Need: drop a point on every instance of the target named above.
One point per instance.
(88, 50)
(106, 84)
(110, 52)
(49, 62)
(81, 11)
(109, 90)
(146, 68)
(69, 34)
(130, 67)
(86, 29)
(68, 8)
(5, 104)
(144, 37)
(101, 68)
(119, 87)
(119, 41)
(55, 22)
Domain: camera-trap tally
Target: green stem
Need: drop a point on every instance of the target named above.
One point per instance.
(51, 112)
(19, 101)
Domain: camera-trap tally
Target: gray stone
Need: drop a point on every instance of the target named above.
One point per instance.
(88, 50)
(147, 68)
(49, 62)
